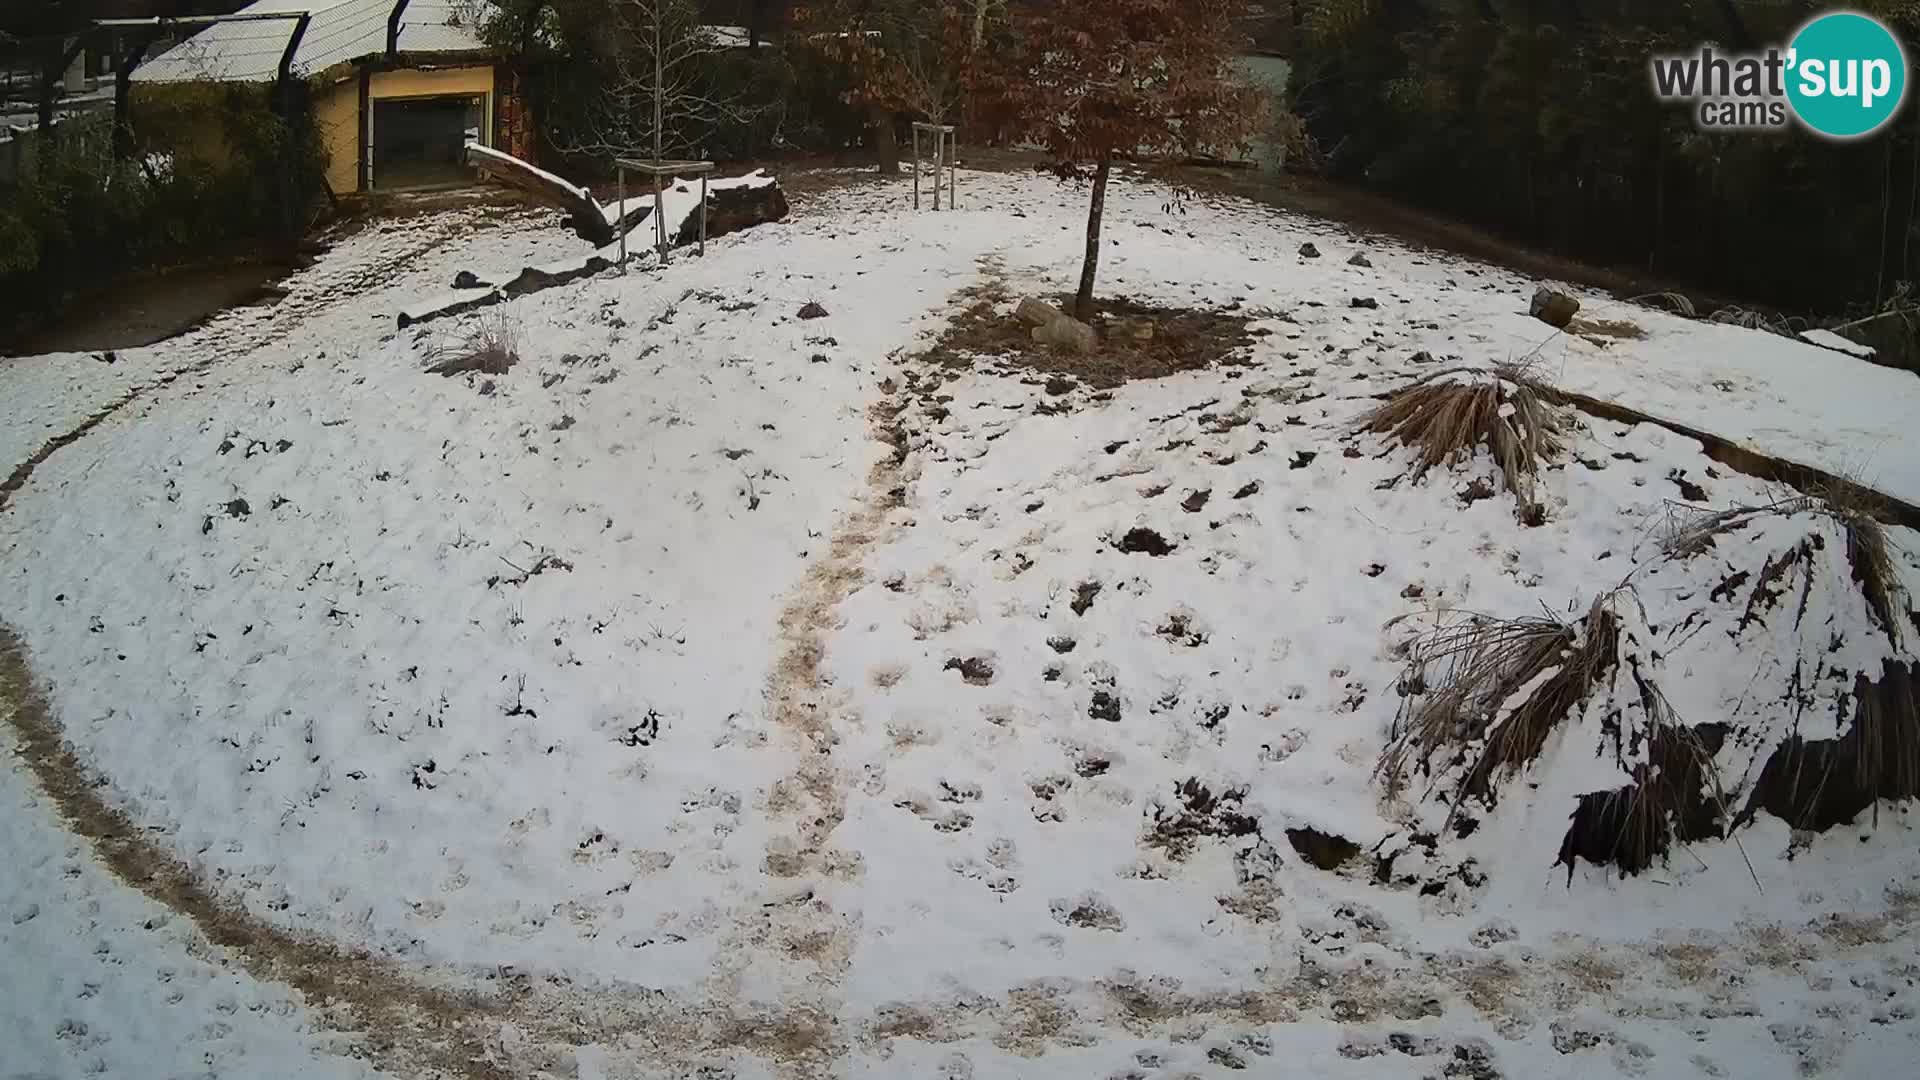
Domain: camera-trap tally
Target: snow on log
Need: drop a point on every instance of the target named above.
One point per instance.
(733, 203)
(584, 213)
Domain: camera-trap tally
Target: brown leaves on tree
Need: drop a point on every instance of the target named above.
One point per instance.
(1092, 80)
(1089, 79)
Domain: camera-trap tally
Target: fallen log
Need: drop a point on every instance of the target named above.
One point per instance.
(735, 205)
(583, 212)
(732, 205)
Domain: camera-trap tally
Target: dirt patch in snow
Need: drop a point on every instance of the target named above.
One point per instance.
(1133, 340)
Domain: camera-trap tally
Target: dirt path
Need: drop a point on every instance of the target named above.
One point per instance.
(411, 1024)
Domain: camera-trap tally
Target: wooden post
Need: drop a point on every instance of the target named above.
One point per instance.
(953, 174)
(659, 222)
(916, 166)
(622, 225)
(703, 215)
(939, 149)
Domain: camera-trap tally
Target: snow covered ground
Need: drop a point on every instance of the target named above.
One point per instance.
(646, 678)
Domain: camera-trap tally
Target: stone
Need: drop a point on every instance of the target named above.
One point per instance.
(1037, 312)
(812, 310)
(1308, 251)
(1066, 333)
(466, 279)
(1553, 307)
(1367, 302)
(1360, 259)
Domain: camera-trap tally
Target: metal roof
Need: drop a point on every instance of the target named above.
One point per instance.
(340, 30)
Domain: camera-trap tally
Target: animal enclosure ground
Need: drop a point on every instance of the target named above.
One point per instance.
(719, 692)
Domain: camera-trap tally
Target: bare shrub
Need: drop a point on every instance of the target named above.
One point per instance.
(491, 345)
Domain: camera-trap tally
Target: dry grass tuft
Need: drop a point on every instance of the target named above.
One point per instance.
(1503, 686)
(1445, 417)
(490, 346)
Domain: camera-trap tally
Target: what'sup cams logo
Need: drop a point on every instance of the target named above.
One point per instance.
(1843, 76)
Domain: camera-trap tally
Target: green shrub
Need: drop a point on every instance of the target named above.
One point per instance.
(214, 172)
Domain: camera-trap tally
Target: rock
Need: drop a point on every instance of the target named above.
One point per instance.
(1360, 259)
(1066, 333)
(813, 310)
(1308, 251)
(1553, 307)
(1366, 302)
(465, 279)
(1037, 312)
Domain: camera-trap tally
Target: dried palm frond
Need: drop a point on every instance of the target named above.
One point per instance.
(1733, 315)
(1869, 551)
(1503, 686)
(1693, 532)
(1679, 303)
(1443, 418)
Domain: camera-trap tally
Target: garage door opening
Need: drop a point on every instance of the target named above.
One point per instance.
(418, 142)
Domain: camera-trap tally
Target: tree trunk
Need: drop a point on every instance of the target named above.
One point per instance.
(1083, 301)
(886, 145)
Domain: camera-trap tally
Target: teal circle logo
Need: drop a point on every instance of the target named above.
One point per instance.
(1846, 75)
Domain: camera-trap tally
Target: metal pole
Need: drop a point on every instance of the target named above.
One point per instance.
(916, 166)
(703, 215)
(939, 147)
(622, 225)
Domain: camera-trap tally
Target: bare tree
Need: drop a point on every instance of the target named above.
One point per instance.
(661, 98)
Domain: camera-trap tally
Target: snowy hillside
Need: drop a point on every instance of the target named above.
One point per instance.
(726, 692)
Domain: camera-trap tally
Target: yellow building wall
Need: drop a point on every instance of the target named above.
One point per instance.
(410, 82)
(336, 112)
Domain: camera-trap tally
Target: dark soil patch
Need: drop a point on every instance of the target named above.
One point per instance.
(144, 308)
(1062, 645)
(1091, 765)
(1198, 812)
(1183, 339)
(976, 670)
(1252, 488)
(1105, 706)
(1196, 502)
(1179, 629)
(1324, 850)
(1083, 595)
(1689, 490)
(1144, 541)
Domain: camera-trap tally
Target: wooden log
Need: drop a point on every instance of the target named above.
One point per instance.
(583, 213)
(731, 209)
